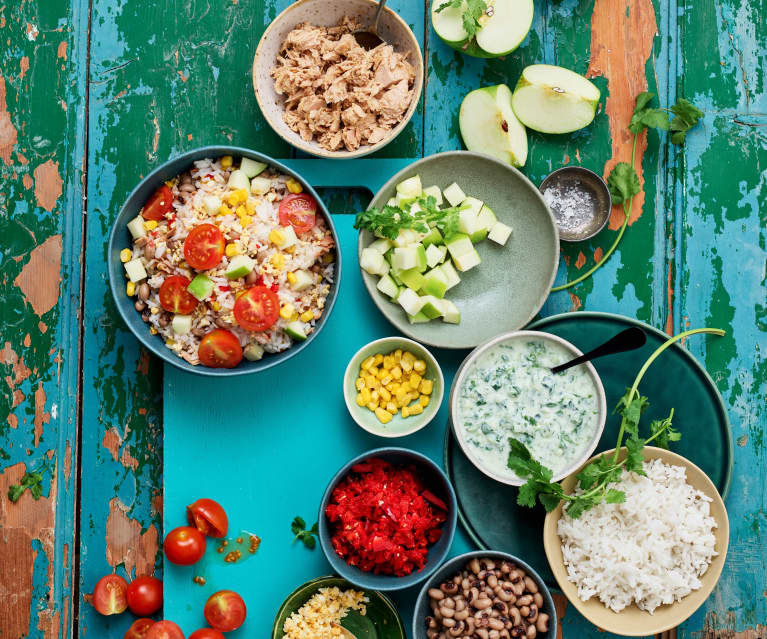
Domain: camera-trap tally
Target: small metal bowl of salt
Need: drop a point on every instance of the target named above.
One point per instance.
(579, 200)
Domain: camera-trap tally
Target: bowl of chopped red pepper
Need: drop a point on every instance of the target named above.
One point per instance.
(387, 519)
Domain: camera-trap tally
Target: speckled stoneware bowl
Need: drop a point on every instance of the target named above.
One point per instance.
(508, 288)
(391, 28)
(631, 621)
(455, 564)
(398, 426)
(465, 368)
(119, 238)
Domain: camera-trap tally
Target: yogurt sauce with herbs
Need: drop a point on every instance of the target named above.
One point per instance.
(509, 391)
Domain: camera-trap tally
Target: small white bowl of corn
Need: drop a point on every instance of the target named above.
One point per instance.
(393, 387)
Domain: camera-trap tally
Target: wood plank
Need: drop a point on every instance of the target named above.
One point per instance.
(42, 80)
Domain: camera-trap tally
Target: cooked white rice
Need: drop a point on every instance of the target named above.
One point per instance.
(311, 252)
(650, 550)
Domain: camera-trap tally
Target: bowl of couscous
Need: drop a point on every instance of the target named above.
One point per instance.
(393, 387)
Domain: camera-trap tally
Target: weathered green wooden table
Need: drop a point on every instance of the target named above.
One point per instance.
(93, 94)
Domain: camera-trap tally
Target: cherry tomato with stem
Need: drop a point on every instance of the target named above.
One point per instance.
(110, 596)
(174, 297)
(165, 630)
(204, 247)
(139, 628)
(158, 205)
(299, 210)
(145, 596)
(208, 517)
(184, 545)
(225, 610)
(257, 309)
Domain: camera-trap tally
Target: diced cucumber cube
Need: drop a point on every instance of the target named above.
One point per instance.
(239, 266)
(296, 330)
(435, 255)
(402, 201)
(475, 205)
(467, 222)
(253, 352)
(135, 270)
(418, 318)
(387, 286)
(499, 233)
(201, 286)
(448, 270)
(420, 257)
(410, 301)
(459, 244)
(450, 312)
(181, 324)
(467, 260)
(434, 283)
(395, 275)
(260, 185)
(373, 262)
(454, 194)
(136, 227)
(432, 237)
(251, 168)
(304, 279)
(411, 278)
(435, 192)
(212, 204)
(238, 180)
(399, 290)
(405, 258)
(411, 187)
(382, 245)
(486, 218)
(432, 307)
(406, 237)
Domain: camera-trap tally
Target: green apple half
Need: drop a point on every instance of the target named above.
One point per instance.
(488, 125)
(552, 99)
(500, 34)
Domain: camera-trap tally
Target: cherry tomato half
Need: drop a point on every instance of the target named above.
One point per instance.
(299, 211)
(138, 629)
(257, 309)
(110, 596)
(225, 610)
(208, 517)
(184, 545)
(165, 630)
(158, 205)
(145, 596)
(174, 297)
(220, 349)
(204, 247)
(206, 633)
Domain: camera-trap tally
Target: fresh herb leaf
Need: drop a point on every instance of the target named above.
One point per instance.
(298, 525)
(645, 117)
(623, 183)
(614, 496)
(388, 222)
(663, 433)
(32, 481)
(631, 409)
(634, 456)
(306, 537)
(473, 10)
(686, 116)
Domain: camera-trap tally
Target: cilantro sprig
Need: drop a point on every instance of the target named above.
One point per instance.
(31, 481)
(596, 478)
(473, 10)
(307, 537)
(388, 221)
(623, 180)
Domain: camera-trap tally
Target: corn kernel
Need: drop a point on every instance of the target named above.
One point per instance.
(245, 220)
(383, 416)
(415, 380)
(424, 400)
(125, 255)
(386, 379)
(226, 162)
(307, 316)
(216, 306)
(287, 311)
(419, 366)
(408, 356)
(155, 310)
(381, 373)
(130, 289)
(276, 236)
(392, 408)
(365, 395)
(398, 355)
(370, 380)
(169, 342)
(426, 387)
(360, 400)
(292, 278)
(373, 406)
(406, 365)
(385, 394)
(378, 358)
(401, 396)
(250, 207)
(388, 362)
(415, 410)
(405, 411)
(224, 210)
(396, 372)
(405, 387)
(393, 387)
(290, 249)
(375, 396)
(359, 384)
(150, 225)
(278, 261)
(294, 186)
(231, 249)
(368, 362)
(237, 197)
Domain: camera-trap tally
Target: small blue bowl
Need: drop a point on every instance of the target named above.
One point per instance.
(119, 238)
(437, 482)
(456, 564)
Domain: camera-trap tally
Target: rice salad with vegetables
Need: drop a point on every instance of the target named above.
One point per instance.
(230, 262)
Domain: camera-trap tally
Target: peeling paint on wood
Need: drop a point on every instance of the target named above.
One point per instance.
(48, 184)
(40, 278)
(127, 544)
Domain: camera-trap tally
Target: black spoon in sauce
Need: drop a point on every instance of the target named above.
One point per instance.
(628, 340)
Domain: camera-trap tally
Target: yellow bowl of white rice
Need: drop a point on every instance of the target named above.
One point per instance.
(646, 565)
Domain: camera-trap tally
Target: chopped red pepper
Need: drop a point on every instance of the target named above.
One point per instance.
(224, 288)
(275, 287)
(383, 519)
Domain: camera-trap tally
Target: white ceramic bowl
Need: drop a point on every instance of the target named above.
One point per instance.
(391, 28)
(466, 366)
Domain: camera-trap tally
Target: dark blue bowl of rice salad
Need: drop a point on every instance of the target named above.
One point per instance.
(223, 261)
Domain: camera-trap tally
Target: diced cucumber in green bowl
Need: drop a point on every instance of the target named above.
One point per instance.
(453, 275)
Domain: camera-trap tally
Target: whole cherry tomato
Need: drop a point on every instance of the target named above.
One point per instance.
(145, 596)
(110, 595)
(225, 610)
(184, 545)
(208, 517)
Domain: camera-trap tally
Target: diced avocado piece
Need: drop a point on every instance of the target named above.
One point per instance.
(454, 194)
(434, 283)
(201, 286)
(418, 318)
(435, 255)
(448, 270)
(467, 260)
(411, 187)
(181, 324)
(304, 279)
(135, 270)
(238, 180)
(212, 204)
(251, 168)
(432, 237)
(420, 257)
(410, 301)
(435, 192)
(450, 312)
(373, 262)
(432, 307)
(405, 258)
(499, 233)
(459, 244)
(388, 286)
(239, 266)
(406, 237)
(260, 185)
(411, 278)
(136, 227)
(382, 245)
(296, 330)
(283, 237)
(253, 352)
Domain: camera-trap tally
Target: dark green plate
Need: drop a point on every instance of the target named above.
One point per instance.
(381, 620)
(488, 509)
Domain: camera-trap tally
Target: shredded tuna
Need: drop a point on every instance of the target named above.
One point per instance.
(336, 92)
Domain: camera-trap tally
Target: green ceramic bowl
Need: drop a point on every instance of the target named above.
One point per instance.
(507, 290)
(398, 426)
(380, 621)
